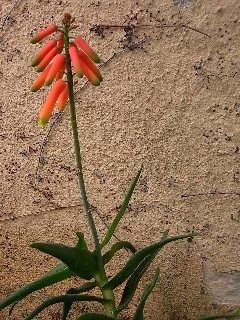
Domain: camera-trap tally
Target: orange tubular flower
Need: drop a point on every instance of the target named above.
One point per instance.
(39, 82)
(87, 49)
(42, 53)
(80, 67)
(47, 108)
(84, 58)
(44, 33)
(89, 74)
(61, 72)
(48, 58)
(75, 61)
(54, 69)
(62, 99)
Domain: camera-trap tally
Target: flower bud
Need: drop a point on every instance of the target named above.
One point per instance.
(75, 61)
(87, 49)
(42, 53)
(80, 67)
(47, 108)
(47, 59)
(61, 72)
(44, 33)
(39, 82)
(55, 67)
(84, 58)
(62, 99)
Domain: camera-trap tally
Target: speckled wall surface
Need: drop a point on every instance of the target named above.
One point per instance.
(170, 100)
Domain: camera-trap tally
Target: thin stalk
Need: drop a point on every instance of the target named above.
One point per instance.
(82, 188)
(101, 278)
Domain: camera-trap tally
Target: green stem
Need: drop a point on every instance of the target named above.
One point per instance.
(101, 277)
(109, 305)
(86, 205)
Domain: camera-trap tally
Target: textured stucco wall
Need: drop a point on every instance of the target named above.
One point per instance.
(172, 103)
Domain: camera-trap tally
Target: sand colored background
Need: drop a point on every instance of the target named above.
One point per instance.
(170, 100)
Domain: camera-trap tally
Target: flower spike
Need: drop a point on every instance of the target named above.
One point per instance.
(44, 33)
(51, 62)
(47, 59)
(43, 52)
(55, 68)
(87, 49)
(47, 108)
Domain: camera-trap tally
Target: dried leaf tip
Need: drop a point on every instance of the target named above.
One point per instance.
(68, 19)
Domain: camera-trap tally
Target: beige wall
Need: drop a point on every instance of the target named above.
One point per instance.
(172, 105)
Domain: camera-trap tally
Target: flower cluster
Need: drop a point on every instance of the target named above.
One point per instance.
(51, 63)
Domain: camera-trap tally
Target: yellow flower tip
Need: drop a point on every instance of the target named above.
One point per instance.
(95, 82)
(49, 82)
(42, 122)
(95, 58)
(44, 33)
(34, 62)
(79, 74)
(33, 41)
(39, 69)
